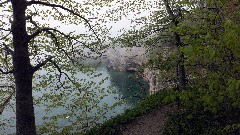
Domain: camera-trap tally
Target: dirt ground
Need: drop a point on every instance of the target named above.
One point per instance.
(149, 124)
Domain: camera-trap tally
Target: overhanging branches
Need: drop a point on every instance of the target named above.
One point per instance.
(6, 72)
(7, 52)
(38, 66)
(29, 3)
(53, 36)
(63, 73)
(4, 2)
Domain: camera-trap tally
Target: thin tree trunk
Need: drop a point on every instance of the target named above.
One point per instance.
(23, 72)
(180, 63)
(181, 69)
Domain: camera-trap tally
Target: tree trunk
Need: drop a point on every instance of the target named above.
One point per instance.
(23, 72)
(180, 63)
(181, 69)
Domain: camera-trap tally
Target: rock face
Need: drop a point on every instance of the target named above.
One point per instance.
(133, 60)
(151, 77)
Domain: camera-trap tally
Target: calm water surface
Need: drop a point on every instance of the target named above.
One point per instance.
(121, 86)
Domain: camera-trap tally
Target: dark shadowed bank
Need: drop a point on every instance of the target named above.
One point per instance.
(157, 110)
(116, 125)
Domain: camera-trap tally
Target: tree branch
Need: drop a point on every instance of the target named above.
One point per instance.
(7, 52)
(6, 72)
(169, 10)
(5, 29)
(40, 30)
(29, 3)
(49, 30)
(8, 49)
(57, 44)
(60, 71)
(2, 106)
(53, 36)
(38, 66)
(5, 2)
(5, 36)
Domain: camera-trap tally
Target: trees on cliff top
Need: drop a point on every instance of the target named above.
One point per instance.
(209, 33)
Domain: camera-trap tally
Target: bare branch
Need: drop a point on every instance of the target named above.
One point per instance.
(8, 49)
(5, 2)
(6, 72)
(5, 29)
(38, 66)
(169, 10)
(57, 43)
(29, 3)
(60, 71)
(29, 17)
(2, 106)
(53, 36)
(5, 36)
(40, 30)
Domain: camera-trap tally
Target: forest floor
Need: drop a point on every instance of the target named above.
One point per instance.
(150, 124)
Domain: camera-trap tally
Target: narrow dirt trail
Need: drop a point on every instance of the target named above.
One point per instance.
(149, 124)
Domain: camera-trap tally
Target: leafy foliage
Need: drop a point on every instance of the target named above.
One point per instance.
(209, 32)
(114, 126)
(212, 39)
(59, 36)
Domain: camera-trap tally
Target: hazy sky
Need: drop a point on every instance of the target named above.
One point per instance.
(117, 27)
(119, 8)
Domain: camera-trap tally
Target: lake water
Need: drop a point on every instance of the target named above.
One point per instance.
(77, 112)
